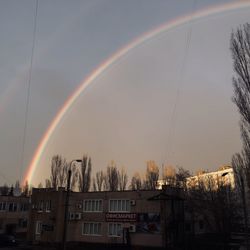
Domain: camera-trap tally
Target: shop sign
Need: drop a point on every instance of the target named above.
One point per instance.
(121, 217)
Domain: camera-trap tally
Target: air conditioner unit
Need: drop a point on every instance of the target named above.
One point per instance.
(132, 202)
(132, 228)
(78, 216)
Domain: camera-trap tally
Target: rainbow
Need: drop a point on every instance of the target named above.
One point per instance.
(213, 10)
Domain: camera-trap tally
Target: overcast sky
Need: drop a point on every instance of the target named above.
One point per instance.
(167, 100)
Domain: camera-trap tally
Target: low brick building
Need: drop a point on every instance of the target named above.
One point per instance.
(141, 218)
(14, 213)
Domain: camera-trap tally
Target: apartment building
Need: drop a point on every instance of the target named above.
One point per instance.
(14, 213)
(153, 218)
(224, 176)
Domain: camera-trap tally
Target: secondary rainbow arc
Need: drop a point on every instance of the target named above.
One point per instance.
(113, 59)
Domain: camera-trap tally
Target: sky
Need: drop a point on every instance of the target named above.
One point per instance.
(168, 99)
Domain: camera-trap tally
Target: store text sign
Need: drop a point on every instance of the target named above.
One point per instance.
(121, 217)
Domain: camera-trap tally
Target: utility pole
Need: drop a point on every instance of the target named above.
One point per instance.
(66, 210)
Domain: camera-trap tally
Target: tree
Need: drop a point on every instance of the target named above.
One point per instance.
(47, 183)
(58, 171)
(181, 177)
(106, 183)
(74, 176)
(85, 174)
(136, 182)
(17, 188)
(94, 186)
(99, 180)
(240, 49)
(26, 189)
(11, 192)
(40, 185)
(122, 179)
(169, 175)
(152, 175)
(111, 177)
(214, 202)
(4, 189)
(17, 184)
(62, 173)
(239, 166)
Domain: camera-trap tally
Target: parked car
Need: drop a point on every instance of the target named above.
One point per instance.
(7, 240)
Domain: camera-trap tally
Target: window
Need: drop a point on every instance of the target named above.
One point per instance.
(12, 207)
(2, 206)
(40, 205)
(78, 216)
(91, 228)
(71, 216)
(92, 206)
(119, 205)
(115, 229)
(79, 206)
(38, 227)
(24, 207)
(48, 206)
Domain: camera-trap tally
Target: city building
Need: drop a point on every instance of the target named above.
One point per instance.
(222, 177)
(14, 213)
(152, 218)
(202, 221)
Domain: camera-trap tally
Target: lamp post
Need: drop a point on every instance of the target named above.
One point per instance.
(65, 223)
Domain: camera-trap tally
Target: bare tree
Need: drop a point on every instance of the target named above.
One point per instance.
(106, 183)
(74, 176)
(26, 189)
(152, 175)
(57, 165)
(239, 165)
(17, 184)
(62, 173)
(169, 175)
(122, 179)
(47, 183)
(11, 192)
(99, 180)
(213, 201)
(4, 189)
(181, 177)
(40, 185)
(112, 177)
(136, 182)
(85, 174)
(240, 48)
(94, 186)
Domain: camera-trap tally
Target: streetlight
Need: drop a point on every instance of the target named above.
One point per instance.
(65, 224)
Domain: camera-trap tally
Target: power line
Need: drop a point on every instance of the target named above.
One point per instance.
(180, 82)
(28, 91)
